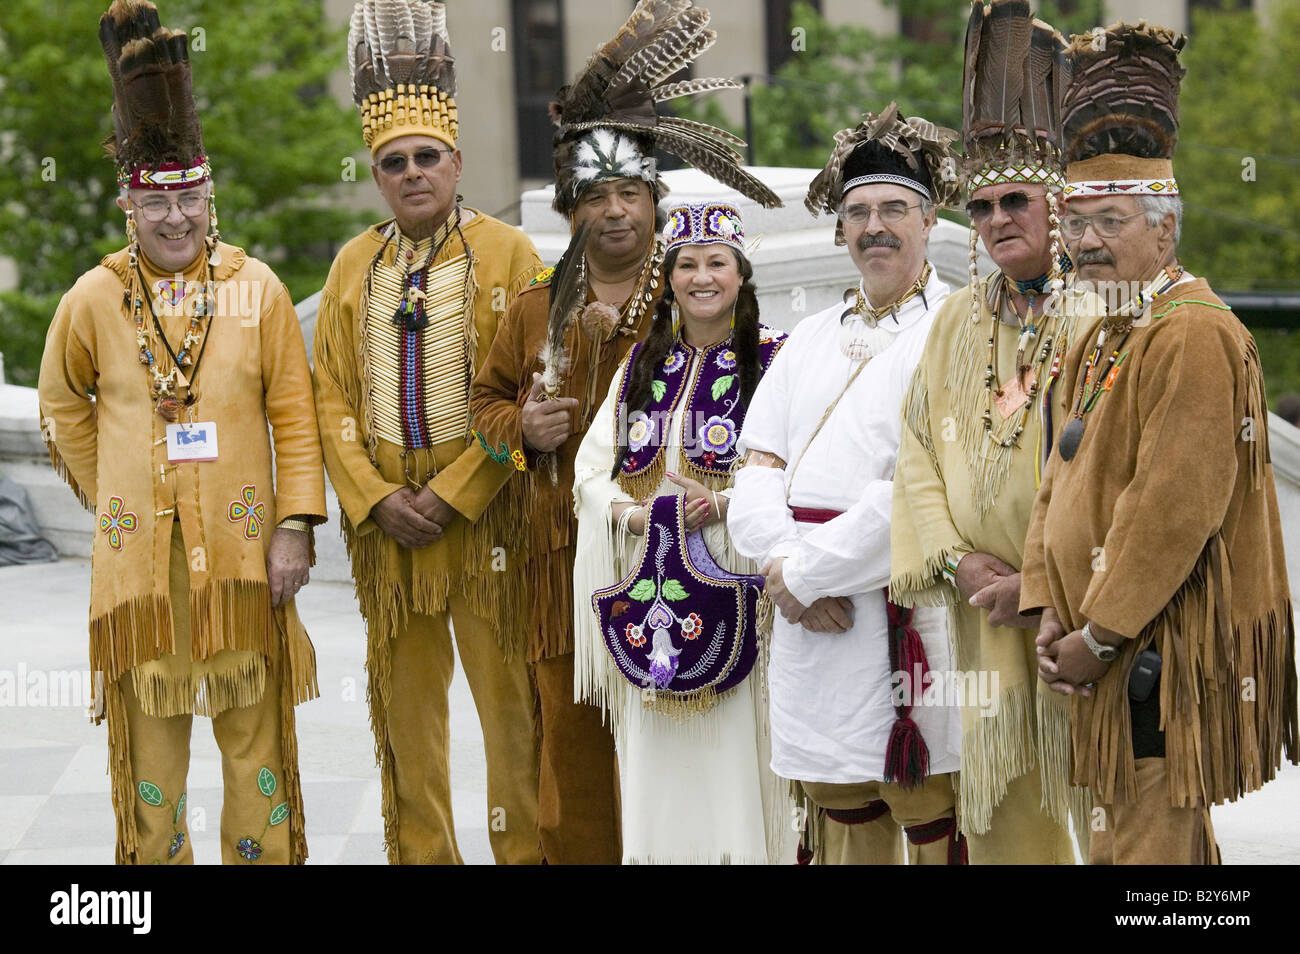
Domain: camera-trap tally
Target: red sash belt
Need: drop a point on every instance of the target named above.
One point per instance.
(813, 515)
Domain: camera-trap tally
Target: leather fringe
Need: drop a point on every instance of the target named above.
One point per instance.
(291, 686)
(1219, 744)
(121, 784)
(61, 468)
(163, 696)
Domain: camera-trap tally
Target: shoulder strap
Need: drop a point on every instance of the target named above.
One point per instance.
(789, 483)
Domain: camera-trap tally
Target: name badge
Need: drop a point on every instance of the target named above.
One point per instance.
(194, 441)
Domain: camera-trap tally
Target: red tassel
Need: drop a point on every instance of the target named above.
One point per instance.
(957, 853)
(907, 760)
(911, 657)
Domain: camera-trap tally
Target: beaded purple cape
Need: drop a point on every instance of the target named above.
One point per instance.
(679, 623)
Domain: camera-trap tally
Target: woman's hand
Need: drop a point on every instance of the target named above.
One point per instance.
(703, 506)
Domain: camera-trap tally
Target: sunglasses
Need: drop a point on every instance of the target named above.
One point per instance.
(394, 164)
(1013, 203)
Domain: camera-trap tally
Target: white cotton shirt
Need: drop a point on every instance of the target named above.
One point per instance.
(831, 695)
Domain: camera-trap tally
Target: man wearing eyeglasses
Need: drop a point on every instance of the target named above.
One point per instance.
(812, 508)
(407, 315)
(176, 400)
(1155, 550)
(978, 429)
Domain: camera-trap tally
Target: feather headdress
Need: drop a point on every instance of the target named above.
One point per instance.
(403, 73)
(157, 141)
(884, 147)
(1013, 82)
(607, 126)
(1121, 111)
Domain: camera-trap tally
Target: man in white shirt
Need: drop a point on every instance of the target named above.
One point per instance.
(855, 717)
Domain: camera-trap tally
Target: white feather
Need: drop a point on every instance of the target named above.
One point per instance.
(422, 21)
(372, 40)
(356, 34)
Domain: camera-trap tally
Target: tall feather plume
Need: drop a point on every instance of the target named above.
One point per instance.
(154, 117)
(624, 80)
(1012, 82)
(399, 41)
(1123, 95)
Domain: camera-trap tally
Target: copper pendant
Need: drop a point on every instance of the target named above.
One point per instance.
(169, 408)
(1070, 438)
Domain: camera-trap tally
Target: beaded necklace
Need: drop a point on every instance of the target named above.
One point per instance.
(1028, 331)
(410, 310)
(872, 316)
(163, 386)
(1121, 323)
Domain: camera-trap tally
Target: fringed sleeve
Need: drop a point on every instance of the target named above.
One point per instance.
(286, 379)
(1184, 467)
(68, 417)
(923, 537)
(341, 411)
(596, 680)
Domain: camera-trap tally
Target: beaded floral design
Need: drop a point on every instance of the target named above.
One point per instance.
(249, 847)
(116, 521)
(250, 510)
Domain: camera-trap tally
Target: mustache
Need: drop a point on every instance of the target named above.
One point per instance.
(1096, 256)
(882, 240)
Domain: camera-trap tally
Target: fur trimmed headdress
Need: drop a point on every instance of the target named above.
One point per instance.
(884, 147)
(157, 141)
(403, 73)
(606, 123)
(1121, 111)
(1012, 86)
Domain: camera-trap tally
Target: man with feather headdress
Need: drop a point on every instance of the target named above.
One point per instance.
(163, 367)
(977, 433)
(553, 359)
(1155, 549)
(407, 314)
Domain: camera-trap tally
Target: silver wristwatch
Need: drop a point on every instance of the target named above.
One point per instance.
(1100, 650)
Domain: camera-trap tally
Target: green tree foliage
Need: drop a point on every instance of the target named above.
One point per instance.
(838, 71)
(1238, 167)
(276, 137)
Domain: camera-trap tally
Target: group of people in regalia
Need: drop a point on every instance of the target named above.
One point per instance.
(984, 575)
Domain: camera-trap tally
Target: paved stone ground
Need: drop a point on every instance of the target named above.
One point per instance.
(54, 804)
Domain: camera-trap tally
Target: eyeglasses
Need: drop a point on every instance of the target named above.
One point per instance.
(1013, 203)
(1107, 226)
(394, 164)
(889, 212)
(191, 205)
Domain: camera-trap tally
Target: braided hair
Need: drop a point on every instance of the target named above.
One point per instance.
(662, 337)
